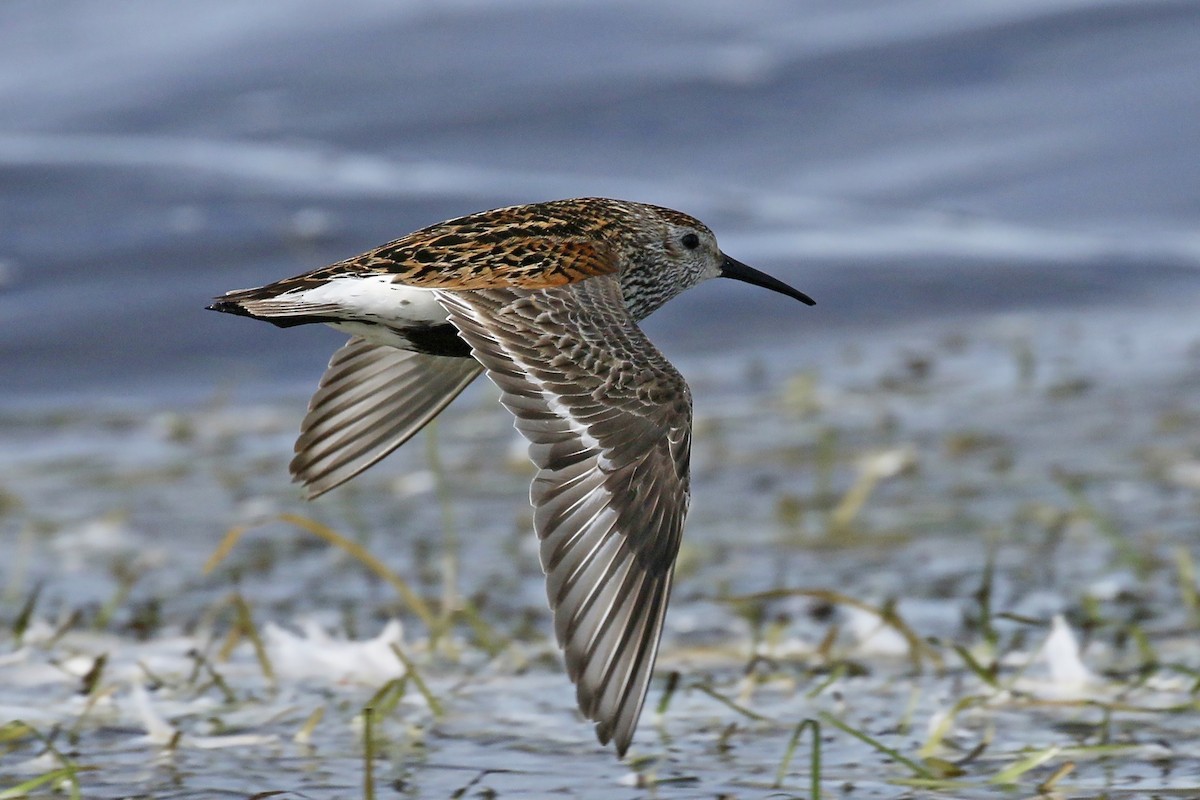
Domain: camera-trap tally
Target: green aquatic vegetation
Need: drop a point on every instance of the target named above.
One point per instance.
(91, 679)
(987, 674)
(873, 468)
(668, 692)
(919, 650)
(705, 688)
(126, 574)
(1025, 359)
(414, 602)
(55, 777)
(1069, 388)
(1185, 572)
(815, 758)
(918, 770)
(984, 621)
(410, 670)
(67, 774)
(961, 444)
(20, 622)
(1010, 775)
(368, 717)
(837, 672)
(937, 735)
(204, 667)
(449, 544)
(15, 732)
(1064, 769)
(305, 733)
(1128, 554)
(10, 503)
(245, 626)
(485, 634)
(800, 395)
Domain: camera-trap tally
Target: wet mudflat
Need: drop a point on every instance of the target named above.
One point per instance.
(962, 552)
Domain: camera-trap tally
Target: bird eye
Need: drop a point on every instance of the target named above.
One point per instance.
(690, 240)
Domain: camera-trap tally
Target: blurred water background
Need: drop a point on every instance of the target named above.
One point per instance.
(993, 409)
(899, 159)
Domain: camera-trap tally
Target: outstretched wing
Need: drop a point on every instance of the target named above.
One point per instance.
(609, 425)
(372, 399)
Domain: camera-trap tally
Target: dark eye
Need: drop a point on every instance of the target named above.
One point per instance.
(690, 240)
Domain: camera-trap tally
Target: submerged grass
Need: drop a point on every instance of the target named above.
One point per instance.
(66, 774)
(705, 688)
(450, 547)
(54, 777)
(1185, 569)
(410, 671)
(919, 650)
(304, 735)
(368, 716)
(25, 614)
(245, 625)
(354, 549)
(917, 769)
(814, 787)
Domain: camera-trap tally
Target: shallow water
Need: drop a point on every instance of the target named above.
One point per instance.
(1074, 476)
(994, 204)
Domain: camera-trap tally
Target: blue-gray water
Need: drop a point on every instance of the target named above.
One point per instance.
(894, 159)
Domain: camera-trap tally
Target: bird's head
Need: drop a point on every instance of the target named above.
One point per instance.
(670, 251)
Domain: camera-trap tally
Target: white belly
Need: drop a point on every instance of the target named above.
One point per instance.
(378, 299)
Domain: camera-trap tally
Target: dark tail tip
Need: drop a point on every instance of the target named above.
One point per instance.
(227, 307)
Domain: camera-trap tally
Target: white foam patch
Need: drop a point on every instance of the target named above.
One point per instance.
(162, 733)
(40, 682)
(158, 730)
(1061, 655)
(873, 635)
(314, 654)
(1056, 671)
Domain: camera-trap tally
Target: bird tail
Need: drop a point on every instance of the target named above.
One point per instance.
(284, 306)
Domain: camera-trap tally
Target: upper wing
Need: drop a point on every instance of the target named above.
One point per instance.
(609, 425)
(371, 400)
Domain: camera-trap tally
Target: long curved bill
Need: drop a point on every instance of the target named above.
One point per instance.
(732, 268)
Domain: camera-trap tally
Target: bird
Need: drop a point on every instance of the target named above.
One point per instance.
(544, 298)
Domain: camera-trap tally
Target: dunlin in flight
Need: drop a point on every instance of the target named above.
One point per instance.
(546, 299)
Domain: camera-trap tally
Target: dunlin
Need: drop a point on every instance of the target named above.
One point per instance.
(546, 299)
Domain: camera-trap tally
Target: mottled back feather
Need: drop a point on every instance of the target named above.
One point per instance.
(535, 246)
